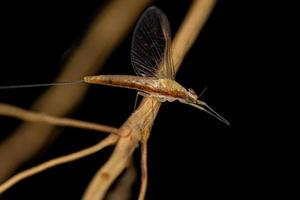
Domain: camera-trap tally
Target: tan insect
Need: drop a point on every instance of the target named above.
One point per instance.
(152, 62)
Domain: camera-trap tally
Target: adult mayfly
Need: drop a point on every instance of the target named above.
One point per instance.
(152, 62)
(151, 59)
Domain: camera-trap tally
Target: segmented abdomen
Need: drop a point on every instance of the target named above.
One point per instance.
(146, 84)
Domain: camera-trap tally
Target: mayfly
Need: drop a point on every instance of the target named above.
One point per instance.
(152, 62)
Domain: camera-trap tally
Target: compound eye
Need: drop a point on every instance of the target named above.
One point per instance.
(192, 91)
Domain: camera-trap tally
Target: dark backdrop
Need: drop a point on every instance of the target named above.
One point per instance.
(191, 154)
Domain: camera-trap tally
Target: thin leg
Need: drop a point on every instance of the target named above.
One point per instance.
(136, 99)
(139, 93)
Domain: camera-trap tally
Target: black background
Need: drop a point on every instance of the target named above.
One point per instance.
(191, 154)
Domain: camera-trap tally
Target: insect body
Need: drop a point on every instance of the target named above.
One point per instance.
(161, 88)
(152, 62)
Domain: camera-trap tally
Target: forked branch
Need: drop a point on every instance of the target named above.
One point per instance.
(109, 140)
(87, 58)
(137, 127)
(142, 119)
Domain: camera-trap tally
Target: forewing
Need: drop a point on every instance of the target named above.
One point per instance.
(150, 48)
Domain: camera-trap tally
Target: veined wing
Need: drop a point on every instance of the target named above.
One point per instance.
(150, 47)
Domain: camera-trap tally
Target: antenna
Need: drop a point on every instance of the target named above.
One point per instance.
(202, 92)
(39, 85)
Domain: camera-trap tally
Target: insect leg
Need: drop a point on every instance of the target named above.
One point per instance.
(139, 93)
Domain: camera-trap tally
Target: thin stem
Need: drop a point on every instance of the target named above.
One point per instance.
(109, 140)
(14, 111)
(137, 122)
(87, 58)
(144, 178)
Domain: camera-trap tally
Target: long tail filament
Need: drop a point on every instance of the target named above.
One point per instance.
(39, 85)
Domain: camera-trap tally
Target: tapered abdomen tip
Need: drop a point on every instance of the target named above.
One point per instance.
(91, 79)
(86, 79)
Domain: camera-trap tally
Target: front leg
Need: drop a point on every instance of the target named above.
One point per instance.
(139, 93)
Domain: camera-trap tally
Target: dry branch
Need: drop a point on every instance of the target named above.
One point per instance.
(137, 127)
(141, 120)
(97, 45)
(109, 140)
(121, 155)
(144, 167)
(14, 111)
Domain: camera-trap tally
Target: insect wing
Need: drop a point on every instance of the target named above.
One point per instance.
(150, 48)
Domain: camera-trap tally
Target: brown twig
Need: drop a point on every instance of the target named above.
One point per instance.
(109, 140)
(141, 120)
(187, 34)
(138, 126)
(14, 111)
(121, 155)
(93, 50)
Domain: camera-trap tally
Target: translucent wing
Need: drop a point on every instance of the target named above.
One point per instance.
(150, 47)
